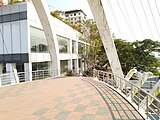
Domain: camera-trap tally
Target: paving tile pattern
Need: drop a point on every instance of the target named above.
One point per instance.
(69, 98)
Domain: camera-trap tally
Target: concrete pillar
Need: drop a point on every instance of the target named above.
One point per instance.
(28, 71)
(9, 69)
(70, 67)
(99, 12)
(83, 66)
(77, 66)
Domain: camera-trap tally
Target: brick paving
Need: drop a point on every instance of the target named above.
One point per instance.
(69, 98)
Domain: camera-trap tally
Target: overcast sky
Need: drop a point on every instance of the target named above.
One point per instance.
(127, 24)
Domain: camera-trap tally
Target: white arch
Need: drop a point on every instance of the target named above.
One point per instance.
(98, 9)
(44, 16)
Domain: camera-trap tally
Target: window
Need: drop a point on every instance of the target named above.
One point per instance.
(6, 18)
(71, 18)
(66, 15)
(40, 66)
(20, 67)
(79, 13)
(3, 68)
(73, 46)
(38, 41)
(80, 48)
(74, 14)
(70, 14)
(63, 44)
(64, 65)
(74, 62)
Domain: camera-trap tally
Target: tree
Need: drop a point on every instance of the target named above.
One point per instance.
(126, 54)
(145, 61)
(138, 54)
(95, 56)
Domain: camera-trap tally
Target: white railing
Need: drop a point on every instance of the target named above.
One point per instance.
(134, 94)
(15, 78)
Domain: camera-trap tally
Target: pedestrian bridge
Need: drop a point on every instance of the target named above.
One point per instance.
(68, 98)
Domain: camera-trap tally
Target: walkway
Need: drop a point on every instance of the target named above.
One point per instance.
(63, 99)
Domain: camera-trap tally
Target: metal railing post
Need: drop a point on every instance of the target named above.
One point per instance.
(147, 106)
(35, 75)
(43, 74)
(158, 110)
(131, 92)
(103, 76)
(126, 88)
(138, 95)
(120, 83)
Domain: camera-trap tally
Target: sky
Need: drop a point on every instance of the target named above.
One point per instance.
(123, 21)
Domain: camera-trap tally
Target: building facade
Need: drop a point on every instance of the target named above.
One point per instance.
(23, 45)
(75, 17)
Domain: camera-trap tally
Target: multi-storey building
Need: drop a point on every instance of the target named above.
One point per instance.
(75, 17)
(23, 45)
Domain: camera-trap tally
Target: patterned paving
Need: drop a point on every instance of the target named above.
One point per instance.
(64, 99)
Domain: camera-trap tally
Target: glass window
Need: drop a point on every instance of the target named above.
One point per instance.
(64, 65)
(74, 14)
(80, 48)
(15, 17)
(38, 41)
(3, 68)
(74, 62)
(6, 18)
(73, 46)
(40, 66)
(1, 19)
(20, 67)
(63, 44)
(23, 15)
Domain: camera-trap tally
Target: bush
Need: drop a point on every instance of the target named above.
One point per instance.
(70, 73)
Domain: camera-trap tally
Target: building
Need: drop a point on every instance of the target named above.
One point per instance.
(23, 45)
(75, 17)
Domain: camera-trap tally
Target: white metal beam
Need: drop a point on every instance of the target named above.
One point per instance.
(99, 13)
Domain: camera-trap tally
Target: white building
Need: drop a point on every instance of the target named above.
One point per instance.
(75, 17)
(23, 44)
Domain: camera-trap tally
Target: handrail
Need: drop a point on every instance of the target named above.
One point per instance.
(132, 84)
(140, 89)
(151, 110)
(10, 79)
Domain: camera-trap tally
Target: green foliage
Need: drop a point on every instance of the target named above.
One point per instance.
(14, 1)
(95, 56)
(70, 73)
(138, 54)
